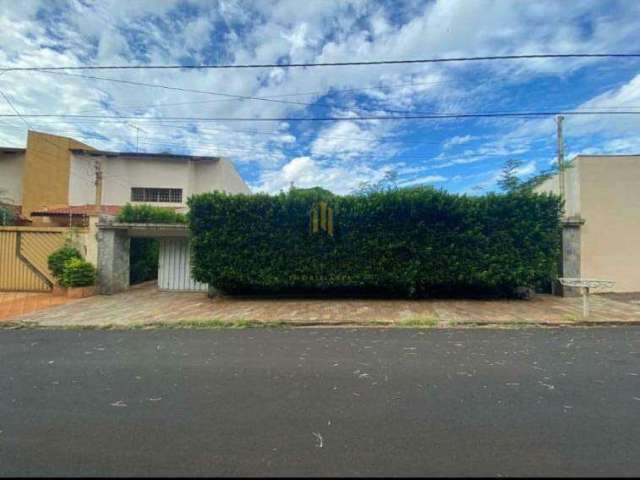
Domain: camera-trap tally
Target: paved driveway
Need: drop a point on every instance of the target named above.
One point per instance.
(145, 304)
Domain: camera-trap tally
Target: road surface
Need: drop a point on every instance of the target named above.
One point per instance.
(320, 402)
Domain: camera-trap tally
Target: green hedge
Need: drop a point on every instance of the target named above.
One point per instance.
(149, 214)
(143, 260)
(57, 259)
(417, 241)
(78, 273)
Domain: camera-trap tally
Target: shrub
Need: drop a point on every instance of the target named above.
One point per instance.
(58, 258)
(149, 214)
(7, 217)
(78, 273)
(415, 241)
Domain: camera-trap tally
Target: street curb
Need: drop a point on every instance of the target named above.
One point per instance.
(9, 325)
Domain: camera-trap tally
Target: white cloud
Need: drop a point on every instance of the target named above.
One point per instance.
(424, 180)
(305, 172)
(120, 32)
(457, 140)
(346, 140)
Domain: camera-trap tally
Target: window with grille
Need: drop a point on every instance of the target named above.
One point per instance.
(164, 195)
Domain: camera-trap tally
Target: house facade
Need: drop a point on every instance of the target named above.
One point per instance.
(602, 213)
(55, 172)
(59, 182)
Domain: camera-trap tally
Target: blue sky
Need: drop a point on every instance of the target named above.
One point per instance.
(458, 155)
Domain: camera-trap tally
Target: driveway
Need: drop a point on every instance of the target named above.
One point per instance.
(321, 402)
(145, 304)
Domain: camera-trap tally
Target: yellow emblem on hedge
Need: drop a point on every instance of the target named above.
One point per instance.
(322, 218)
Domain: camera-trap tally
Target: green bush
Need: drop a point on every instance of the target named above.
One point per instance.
(58, 258)
(7, 217)
(415, 241)
(149, 214)
(143, 260)
(78, 273)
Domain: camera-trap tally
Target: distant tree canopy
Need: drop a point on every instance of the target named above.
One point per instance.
(387, 183)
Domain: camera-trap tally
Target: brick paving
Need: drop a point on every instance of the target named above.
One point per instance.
(145, 304)
(13, 304)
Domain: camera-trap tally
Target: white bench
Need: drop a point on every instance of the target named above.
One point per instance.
(585, 284)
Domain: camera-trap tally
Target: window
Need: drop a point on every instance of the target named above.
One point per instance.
(164, 195)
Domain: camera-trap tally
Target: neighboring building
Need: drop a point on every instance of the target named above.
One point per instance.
(58, 181)
(602, 209)
(54, 173)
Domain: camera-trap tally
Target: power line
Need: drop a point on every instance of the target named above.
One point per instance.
(229, 96)
(178, 89)
(429, 116)
(329, 64)
(271, 97)
(17, 113)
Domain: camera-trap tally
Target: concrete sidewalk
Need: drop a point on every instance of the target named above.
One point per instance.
(147, 305)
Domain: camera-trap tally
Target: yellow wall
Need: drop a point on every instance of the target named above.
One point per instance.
(46, 171)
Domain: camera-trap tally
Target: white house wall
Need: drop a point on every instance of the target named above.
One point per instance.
(11, 171)
(120, 174)
(220, 176)
(82, 189)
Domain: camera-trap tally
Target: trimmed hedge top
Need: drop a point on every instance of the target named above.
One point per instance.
(415, 241)
(149, 214)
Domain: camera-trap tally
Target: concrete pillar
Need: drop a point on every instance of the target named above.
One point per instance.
(571, 247)
(113, 259)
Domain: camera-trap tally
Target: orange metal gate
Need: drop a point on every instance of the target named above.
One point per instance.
(23, 257)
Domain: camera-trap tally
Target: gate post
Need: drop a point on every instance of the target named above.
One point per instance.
(113, 257)
(570, 262)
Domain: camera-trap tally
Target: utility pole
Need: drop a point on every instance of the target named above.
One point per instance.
(98, 183)
(559, 120)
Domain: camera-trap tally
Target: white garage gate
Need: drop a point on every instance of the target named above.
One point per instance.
(174, 267)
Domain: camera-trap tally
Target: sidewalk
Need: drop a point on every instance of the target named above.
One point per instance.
(13, 304)
(147, 305)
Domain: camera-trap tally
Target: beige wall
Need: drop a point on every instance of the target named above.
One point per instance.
(610, 200)
(11, 171)
(120, 174)
(605, 192)
(220, 176)
(571, 186)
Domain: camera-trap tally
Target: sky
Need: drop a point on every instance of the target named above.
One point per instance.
(458, 155)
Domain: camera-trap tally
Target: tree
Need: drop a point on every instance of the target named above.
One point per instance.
(388, 182)
(509, 181)
(538, 179)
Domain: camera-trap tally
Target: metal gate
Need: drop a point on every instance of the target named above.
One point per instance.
(23, 257)
(174, 269)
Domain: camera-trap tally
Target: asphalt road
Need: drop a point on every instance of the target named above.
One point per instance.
(320, 402)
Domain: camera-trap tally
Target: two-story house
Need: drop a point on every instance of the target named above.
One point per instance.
(59, 180)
